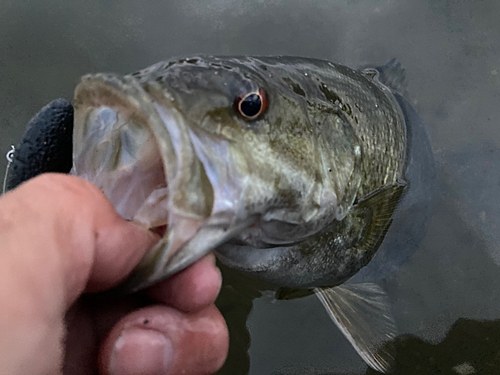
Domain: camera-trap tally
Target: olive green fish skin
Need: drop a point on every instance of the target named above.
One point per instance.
(302, 180)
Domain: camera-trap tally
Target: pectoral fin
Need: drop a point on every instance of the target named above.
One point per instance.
(362, 312)
(391, 75)
(377, 209)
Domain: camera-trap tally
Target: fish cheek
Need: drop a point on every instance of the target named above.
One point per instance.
(290, 134)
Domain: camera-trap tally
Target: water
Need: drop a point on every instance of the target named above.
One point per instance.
(451, 53)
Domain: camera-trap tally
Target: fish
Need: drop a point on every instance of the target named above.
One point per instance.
(290, 169)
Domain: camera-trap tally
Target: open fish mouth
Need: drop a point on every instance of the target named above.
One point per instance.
(125, 163)
(131, 142)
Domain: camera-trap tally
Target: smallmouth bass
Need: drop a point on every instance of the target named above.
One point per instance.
(289, 168)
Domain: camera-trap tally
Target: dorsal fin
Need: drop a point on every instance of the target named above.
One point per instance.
(390, 74)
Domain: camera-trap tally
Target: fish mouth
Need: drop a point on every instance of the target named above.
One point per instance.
(123, 160)
(117, 150)
(132, 142)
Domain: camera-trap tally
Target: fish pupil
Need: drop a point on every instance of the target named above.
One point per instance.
(251, 105)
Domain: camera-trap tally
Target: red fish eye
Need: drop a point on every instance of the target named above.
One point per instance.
(252, 104)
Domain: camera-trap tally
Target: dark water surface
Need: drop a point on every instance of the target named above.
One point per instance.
(447, 296)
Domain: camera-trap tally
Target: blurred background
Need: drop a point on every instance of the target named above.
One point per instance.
(446, 297)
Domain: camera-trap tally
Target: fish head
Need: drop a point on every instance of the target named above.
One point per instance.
(211, 152)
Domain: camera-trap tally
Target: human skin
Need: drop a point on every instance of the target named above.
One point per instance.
(60, 242)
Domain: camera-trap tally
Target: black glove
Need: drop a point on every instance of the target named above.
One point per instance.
(46, 146)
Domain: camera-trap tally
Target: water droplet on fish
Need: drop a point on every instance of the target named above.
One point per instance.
(306, 74)
(376, 105)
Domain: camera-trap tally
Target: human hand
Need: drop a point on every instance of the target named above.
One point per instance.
(60, 238)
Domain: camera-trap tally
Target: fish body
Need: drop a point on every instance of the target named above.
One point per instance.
(290, 169)
(299, 196)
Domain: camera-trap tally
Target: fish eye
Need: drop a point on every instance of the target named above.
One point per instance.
(252, 104)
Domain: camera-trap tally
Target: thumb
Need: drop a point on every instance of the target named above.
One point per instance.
(59, 236)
